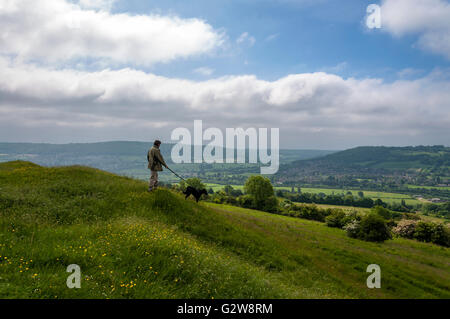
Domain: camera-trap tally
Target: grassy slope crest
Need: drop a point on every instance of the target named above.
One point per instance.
(131, 244)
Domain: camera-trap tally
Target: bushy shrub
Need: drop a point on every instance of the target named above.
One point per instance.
(374, 228)
(424, 231)
(220, 197)
(287, 204)
(350, 217)
(230, 191)
(339, 219)
(438, 234)
(270, 204)
(381, 211)
(441, 235)
(405, 228)
(311, 212)
(246, 201)
(353, 228)
(336, 219)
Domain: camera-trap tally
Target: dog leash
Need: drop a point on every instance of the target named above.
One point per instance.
(176, 174)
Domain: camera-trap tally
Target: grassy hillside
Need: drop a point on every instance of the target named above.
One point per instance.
(131, 244)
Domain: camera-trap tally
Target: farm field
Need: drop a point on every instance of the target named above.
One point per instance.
(344, 208)
(385, 197)
(430, 187)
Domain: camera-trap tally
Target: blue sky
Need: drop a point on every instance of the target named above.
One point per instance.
(99, 70)
(292, 37)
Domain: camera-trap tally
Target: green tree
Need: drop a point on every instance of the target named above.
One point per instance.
(378, 202)
(383, 212)
(261, 190)
(228, 189)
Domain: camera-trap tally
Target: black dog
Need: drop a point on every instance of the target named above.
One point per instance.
(194, 192)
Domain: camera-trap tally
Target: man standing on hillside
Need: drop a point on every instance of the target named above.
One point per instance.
(155, 160)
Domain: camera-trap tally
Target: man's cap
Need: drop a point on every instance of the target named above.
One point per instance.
(157, 142)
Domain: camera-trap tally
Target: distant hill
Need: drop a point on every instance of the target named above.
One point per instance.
(129, 158)
(419, 164)
(130, 148)
(80, 149)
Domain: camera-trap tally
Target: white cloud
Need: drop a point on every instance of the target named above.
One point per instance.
(272, 37)
(409, 72)
(41, 93)
(336, 68)
(246, 38)
(300, 104)
(97, 4)
(204, 71)
(57, 31)
(429, 19)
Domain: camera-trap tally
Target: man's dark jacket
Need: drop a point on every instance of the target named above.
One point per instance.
(155, 159)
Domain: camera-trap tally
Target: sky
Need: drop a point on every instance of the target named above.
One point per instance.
(102, 70)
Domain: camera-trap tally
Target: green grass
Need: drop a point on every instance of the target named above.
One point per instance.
(131, 244)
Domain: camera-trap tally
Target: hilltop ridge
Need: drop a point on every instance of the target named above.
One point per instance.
(418, 165)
